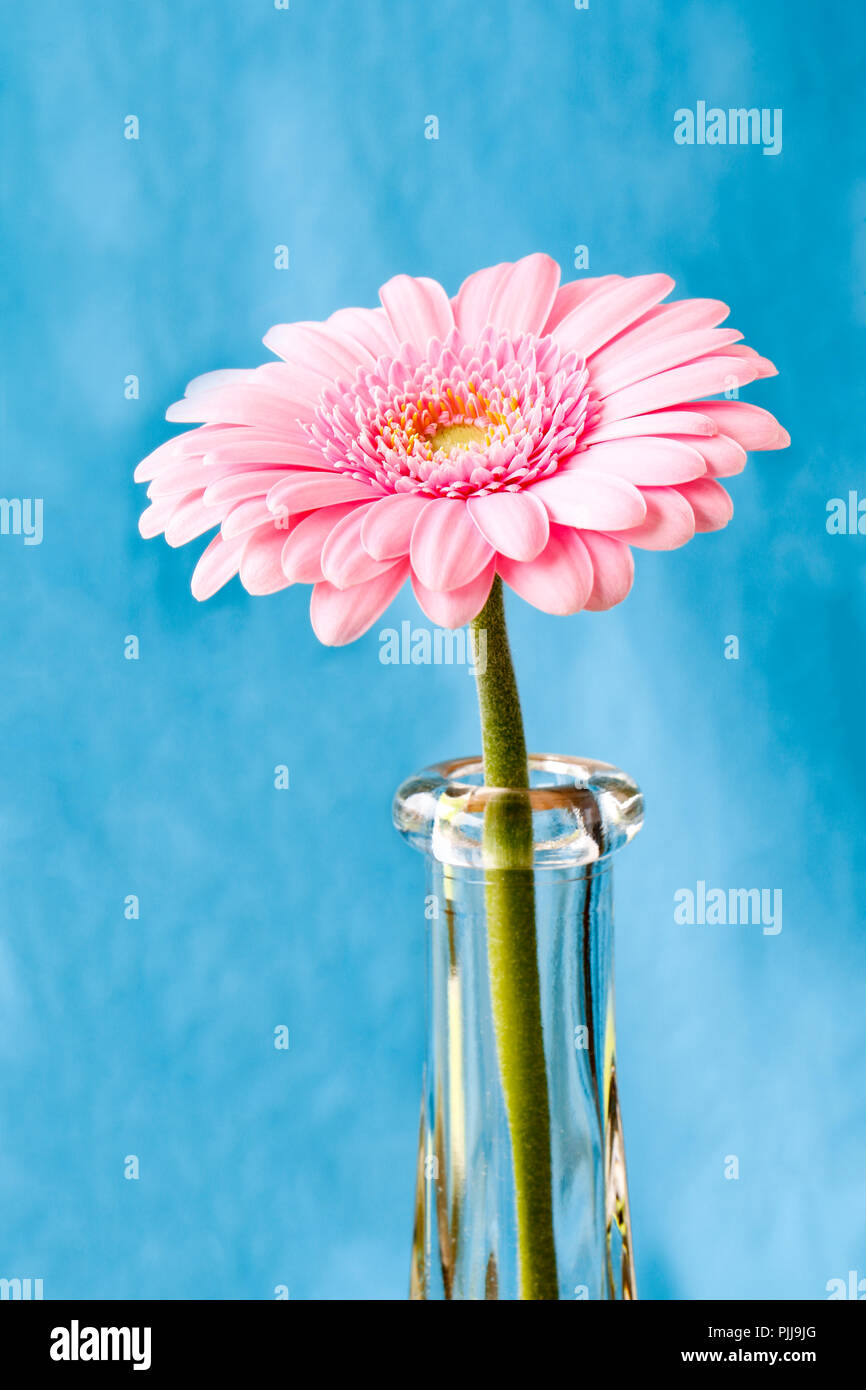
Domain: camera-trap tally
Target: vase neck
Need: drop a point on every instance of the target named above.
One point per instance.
(467, 1242)
(464, 1243)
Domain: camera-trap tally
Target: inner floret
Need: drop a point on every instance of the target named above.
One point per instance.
(449, 437)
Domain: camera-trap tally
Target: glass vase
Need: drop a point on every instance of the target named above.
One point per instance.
(466, 1241)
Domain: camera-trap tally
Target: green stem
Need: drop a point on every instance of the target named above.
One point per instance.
(513, 953)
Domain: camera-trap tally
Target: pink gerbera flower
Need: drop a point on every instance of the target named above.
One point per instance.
(521, 428)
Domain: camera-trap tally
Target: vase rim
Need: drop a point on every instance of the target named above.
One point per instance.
(583, 810)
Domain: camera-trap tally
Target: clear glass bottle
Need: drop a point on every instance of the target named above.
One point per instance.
(465, 1241)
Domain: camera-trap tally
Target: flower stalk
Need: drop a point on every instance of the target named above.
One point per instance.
(513, 953)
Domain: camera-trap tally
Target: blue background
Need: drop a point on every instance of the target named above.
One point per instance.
(155, 777)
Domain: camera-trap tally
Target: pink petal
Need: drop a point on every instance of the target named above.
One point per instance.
(301, 557)
(246, 516)
(190, 519)
(660, 422)
(163, 457)
(678, 385)
(724, 456)
(217, 566)
(651, 358)
(763, 366)
(341, 615)
(456, 607)
(750, 425)
(710, 503)
(369, 328)
(302, 491)
(591, 324)
(386, 531)
(266, 452)
(199, 442)
(240, 405)
(670, 521)
(447, 550)
(345, 562)
(187, 475)
(577, 292)
(473, 299)
(419, 309)
(260, 569)
(201, 474)
(643, 461)
(559, 580)
(582, 498)
(524, 296)
(191, 444)
(612, 567)
(155, 518)
(238, 485)
(318, 348)
(211, 381)
(216, 380)
(515, 523)
(683, 316)
(300, 388)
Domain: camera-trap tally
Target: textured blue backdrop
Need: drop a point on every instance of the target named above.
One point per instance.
(154, 777)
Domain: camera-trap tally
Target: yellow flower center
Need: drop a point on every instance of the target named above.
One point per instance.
(460, 436)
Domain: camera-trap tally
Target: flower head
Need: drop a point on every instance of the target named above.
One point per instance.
(526, 428)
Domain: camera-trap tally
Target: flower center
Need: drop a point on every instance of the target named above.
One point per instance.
(472, 418)
(457, 437)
